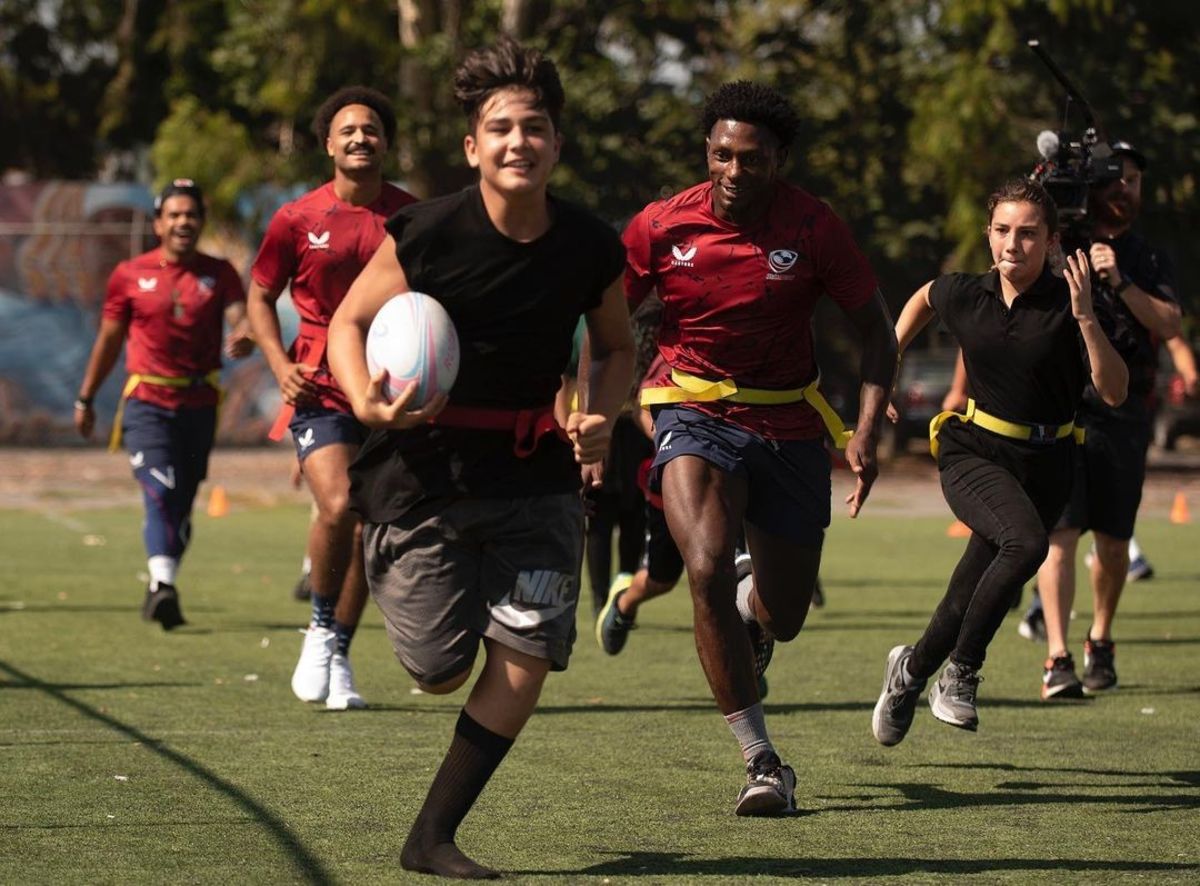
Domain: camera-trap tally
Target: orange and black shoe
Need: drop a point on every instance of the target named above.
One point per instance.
(1059, 679)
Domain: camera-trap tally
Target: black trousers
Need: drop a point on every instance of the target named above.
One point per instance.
(1010, 494)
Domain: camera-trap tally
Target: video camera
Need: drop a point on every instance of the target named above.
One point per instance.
(1071, 165)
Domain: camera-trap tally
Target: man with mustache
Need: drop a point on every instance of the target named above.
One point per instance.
(1137, 308)
(172, 302)
(317, 245)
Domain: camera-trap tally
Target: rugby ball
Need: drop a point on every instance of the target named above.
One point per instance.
(413, 339)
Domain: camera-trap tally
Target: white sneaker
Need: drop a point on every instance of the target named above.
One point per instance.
(342, 694)
(310, 680)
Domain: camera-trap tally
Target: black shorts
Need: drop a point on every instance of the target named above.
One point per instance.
(788, 480)
(1110, 469)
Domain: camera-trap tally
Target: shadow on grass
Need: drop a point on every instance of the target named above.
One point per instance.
(34, 683)
(1163, 641)
(17, 609)
(308, 866)
(924, 797)
(679, 864)
(1185, 777)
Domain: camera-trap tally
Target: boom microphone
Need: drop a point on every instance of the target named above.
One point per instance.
(1047, 144)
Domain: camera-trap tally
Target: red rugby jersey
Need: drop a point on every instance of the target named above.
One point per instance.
(738, 301)
(320, 244)
(175, 315)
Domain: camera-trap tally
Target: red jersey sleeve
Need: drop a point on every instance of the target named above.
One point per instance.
(275, 263)
(842, 268)
(639, 279)
(117, 305)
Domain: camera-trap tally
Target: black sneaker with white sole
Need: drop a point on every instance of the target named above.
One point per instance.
(1099, 666)
(761, 642)
(770, 787)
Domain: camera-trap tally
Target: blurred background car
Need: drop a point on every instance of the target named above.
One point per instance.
(925, 378)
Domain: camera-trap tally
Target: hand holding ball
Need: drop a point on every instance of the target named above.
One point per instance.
(413, 339)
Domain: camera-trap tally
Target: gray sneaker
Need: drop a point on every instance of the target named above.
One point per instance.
(612, 627)
(952, 698)
(897, 702)
(770, 787)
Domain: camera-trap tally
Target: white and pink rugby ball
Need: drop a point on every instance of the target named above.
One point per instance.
(414, 339)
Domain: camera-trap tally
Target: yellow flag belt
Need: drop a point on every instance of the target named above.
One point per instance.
(213, 379)
(1005, 428)
(692, 389)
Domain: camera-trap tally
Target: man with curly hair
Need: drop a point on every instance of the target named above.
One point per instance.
(316, 245)
(739, 262)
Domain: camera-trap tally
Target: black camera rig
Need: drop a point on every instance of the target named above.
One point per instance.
(1070, 165)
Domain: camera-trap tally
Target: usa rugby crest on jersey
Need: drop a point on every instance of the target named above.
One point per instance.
(781, 262)
(413, 339)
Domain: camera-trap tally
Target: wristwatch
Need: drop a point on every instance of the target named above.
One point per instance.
(1122, 286)
(83, 402)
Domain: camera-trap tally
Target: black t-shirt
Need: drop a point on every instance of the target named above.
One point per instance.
(1026, 363)
(1151, 272)
(514, 307)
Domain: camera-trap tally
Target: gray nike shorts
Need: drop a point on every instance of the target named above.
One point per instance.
(507, 569)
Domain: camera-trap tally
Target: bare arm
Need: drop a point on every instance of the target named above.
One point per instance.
(877, 370)
(914, 317)
(240, 341)
(1185, 364)
(105, 351)
(1110, 375)
(1163, 318)
(293, 380)
(382, 278)
(605, 381)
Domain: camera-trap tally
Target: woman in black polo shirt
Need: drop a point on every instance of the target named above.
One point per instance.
(1030, 342)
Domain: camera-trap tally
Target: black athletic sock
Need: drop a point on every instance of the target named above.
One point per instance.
(474, 754)
(345, 633)
(322, 611)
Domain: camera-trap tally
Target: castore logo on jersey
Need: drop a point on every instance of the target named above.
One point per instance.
(147, 284)
(683, 256)
(318, 241)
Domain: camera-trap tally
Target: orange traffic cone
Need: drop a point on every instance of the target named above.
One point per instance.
(958, 529)
(1179, 509)
(218, 502)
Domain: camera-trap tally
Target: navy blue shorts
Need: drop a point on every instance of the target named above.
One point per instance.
(789, 480)
(168, 442)
(314, 426)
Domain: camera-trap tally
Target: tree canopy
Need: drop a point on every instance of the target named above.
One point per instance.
(912, 111)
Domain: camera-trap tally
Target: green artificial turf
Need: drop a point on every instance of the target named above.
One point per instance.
(128, 755)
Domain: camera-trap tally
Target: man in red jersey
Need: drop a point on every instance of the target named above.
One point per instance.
(739, 263)
(318, 244)
(172, 302)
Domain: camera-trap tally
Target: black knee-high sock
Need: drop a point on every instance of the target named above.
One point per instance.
(474, 754)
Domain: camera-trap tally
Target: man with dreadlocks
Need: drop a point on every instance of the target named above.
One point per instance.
(739, 263)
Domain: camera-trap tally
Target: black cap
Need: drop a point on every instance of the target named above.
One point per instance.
(180, 186)
(1122, 147)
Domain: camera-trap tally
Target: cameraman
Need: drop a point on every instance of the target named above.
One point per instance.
(1137, 307)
